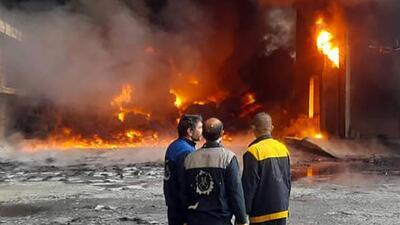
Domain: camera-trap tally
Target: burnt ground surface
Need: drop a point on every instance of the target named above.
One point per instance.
(111, 187)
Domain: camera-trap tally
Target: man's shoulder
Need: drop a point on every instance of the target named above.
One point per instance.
(218, 157)
(217, 150)
(268, 148)
(228, 153)
(270, 142)
(174, 143)
(177, 148)
(180, 144)
(277, 142)
(280, 146)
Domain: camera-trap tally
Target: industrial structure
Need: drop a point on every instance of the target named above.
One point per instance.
(9, 35)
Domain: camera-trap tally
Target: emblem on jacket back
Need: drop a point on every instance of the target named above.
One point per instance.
(204, 183)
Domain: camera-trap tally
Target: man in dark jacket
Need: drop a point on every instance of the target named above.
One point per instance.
(266, 175)
(190, 131)
(213, 191)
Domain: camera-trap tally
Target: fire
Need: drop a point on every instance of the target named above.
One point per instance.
(133, 134)
(121, 116)
(310, 171)
(66, 131)
(178, 98)
(318, 136)
(68, 140)
(199, 102)
(124, 98)
(311, 99)
(249, 104)
(118, 101)
(128, 136)
(249, 98)
(227, 138)
(178, 101)
(194, 81)
(304, 127)
(155, 136)
(320, 21)
(326, 44)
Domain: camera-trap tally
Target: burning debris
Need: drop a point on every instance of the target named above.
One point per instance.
(119, 74)
(122, 92)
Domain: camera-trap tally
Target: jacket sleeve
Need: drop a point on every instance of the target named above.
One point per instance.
(250, 179)
(182, 185)
(235, 191)
(289, 176)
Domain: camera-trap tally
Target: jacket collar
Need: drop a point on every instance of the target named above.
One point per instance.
(212, 144)
(262, 137)
(190, 142)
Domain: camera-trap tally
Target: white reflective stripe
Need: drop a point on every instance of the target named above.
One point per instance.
(194, 207)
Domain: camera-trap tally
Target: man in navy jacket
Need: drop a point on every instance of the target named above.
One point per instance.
(189, 131)
(212, 187)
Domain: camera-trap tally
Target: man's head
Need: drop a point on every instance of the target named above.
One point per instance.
(213, 129)
(190, 127)
(262, 124)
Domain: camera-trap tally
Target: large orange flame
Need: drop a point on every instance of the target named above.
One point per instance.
(326, 43)
(131, 139)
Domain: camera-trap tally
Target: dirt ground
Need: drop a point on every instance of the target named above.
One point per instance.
(116, 187)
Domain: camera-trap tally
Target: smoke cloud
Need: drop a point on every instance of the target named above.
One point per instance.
(78, 55)
(75, 57)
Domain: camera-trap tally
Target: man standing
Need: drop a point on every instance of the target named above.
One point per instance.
(213, 191)
(266, 175)
(189, 131)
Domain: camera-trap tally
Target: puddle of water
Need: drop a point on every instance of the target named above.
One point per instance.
(317, 169)
(331, 169)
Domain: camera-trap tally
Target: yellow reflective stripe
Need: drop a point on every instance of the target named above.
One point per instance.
(268, 148)
(269, 217)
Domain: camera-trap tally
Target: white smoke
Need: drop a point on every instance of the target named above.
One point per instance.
(84, 55)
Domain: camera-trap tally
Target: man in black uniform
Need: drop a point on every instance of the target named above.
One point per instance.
(213, 191)
(266, 175)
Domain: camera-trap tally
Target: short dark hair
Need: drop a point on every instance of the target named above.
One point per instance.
(212, 130)
(262, 122)
(188, 121)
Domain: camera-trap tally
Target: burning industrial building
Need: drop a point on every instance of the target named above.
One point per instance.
(115, 74)
(118, 74)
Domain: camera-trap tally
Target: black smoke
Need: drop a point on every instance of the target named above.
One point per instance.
(76, 54)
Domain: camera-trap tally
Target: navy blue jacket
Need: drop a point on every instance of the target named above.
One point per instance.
(174, 158)
(213, 190)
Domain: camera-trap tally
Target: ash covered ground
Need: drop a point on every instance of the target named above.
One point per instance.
(125, 187)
